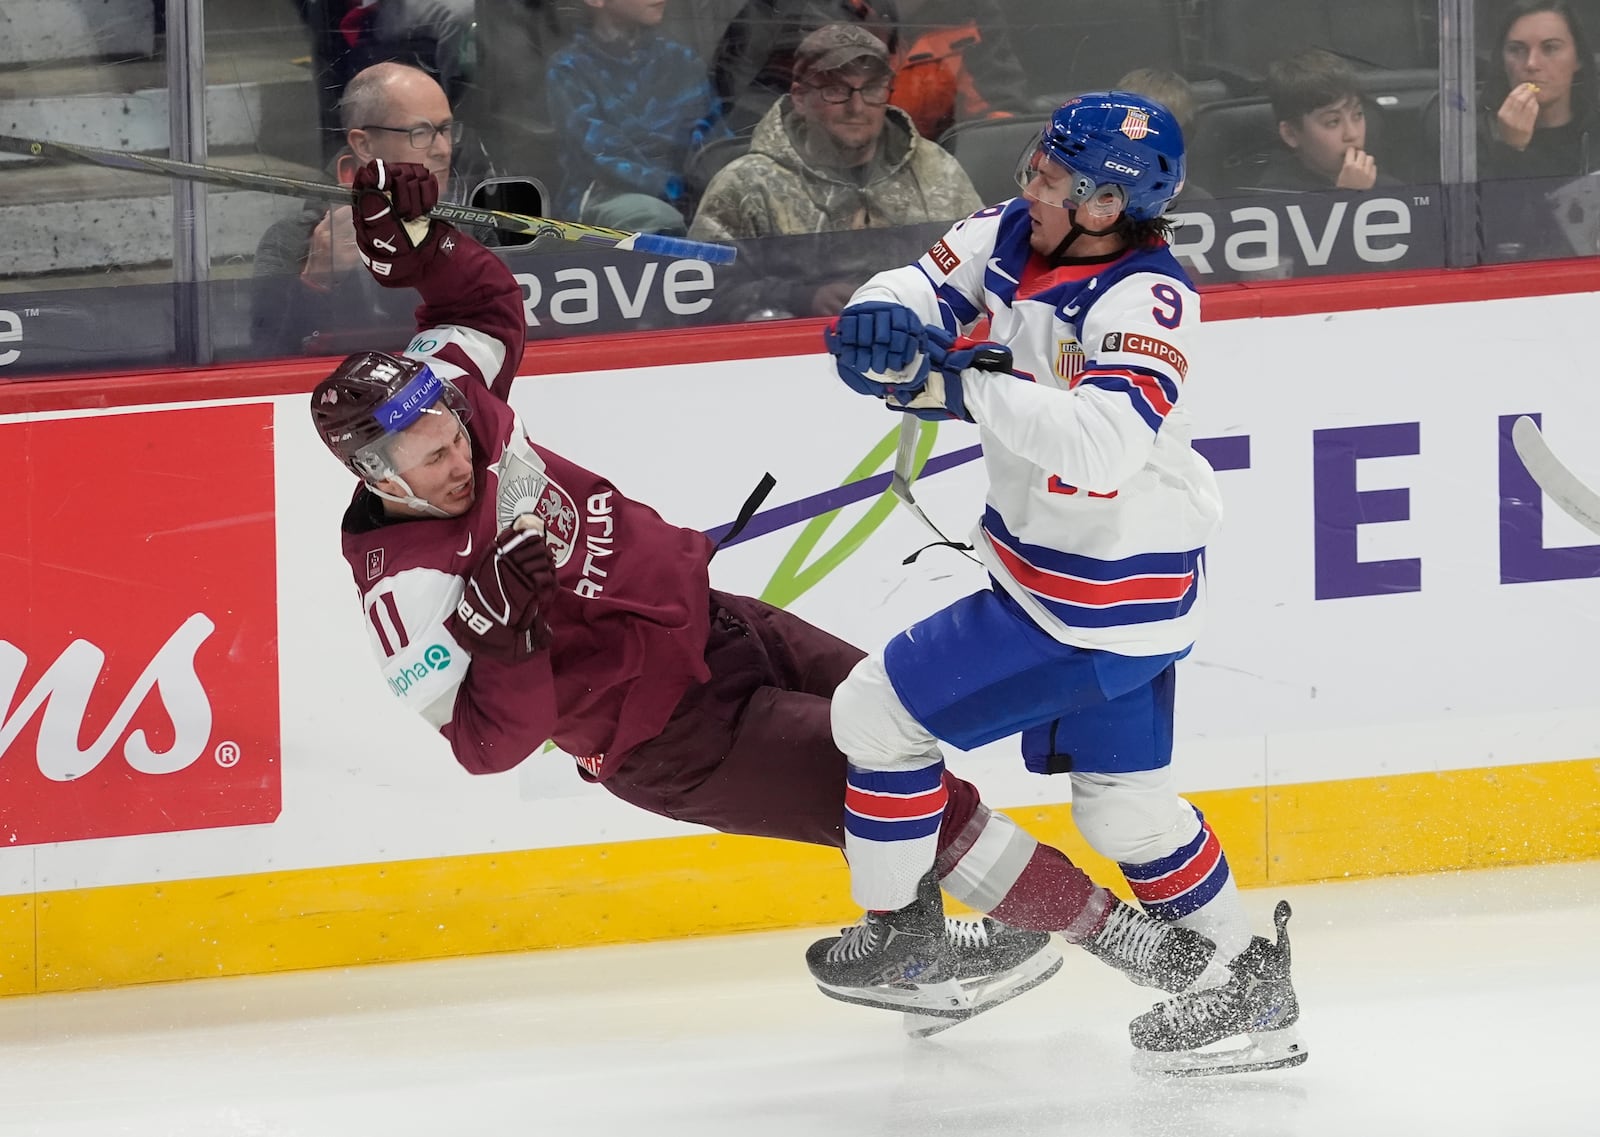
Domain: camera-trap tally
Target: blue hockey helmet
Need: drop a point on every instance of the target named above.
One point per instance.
(1106, 140)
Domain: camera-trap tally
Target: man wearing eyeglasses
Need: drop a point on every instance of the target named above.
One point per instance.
(306, 267)
(831, 155)
(398, 113)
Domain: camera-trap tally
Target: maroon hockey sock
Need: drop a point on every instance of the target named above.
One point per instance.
(1054, 895)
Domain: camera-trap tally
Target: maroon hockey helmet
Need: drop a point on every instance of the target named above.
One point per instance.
(369, 399)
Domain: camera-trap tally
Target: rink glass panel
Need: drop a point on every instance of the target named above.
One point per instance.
(90, 283)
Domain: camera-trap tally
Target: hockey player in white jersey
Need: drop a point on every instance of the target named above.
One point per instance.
(1094, 532)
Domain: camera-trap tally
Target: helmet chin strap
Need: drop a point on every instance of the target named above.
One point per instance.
(1077, 231)
(410, 500)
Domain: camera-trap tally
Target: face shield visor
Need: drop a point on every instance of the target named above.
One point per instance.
(425, 393)
(1048, 182)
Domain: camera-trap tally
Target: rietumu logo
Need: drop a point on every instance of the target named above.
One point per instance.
(60, 697)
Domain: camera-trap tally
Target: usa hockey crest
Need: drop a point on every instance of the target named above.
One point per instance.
(1135, 124)
(1069, 361)
(536, 494)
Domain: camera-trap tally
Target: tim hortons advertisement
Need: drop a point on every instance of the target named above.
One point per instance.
(138, 640)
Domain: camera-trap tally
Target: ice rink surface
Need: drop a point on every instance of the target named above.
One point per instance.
(1462, 1004)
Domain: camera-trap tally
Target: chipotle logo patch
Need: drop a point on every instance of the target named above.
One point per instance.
(1137, 343)
(944, 256)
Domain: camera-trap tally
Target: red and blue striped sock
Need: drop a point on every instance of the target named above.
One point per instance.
(891, 831)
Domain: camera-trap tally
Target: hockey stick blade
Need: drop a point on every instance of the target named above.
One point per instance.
(1560, 484)
(905, 460)
(595, 235)
(990, 358)
(905, 472)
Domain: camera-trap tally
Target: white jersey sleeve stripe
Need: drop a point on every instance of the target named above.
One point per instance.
(459, 350)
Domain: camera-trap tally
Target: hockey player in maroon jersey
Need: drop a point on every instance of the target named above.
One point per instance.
(513, 597)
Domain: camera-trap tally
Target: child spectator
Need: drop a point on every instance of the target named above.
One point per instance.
(1322, 121)
(630, 109)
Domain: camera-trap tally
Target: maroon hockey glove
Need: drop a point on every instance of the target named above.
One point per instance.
(502, 611)
(393, 233)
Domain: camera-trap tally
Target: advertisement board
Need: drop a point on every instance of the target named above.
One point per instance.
(138, 652)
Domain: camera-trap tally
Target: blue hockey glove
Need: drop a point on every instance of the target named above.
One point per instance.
(942, 396)
(875, 337)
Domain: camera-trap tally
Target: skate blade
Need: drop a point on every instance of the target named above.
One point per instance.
(990, 992)
(1264, 1050)
(940, 1000)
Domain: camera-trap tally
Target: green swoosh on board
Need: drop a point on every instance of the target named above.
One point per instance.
(794, 577)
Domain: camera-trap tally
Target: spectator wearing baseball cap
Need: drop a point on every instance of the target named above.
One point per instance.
(831, 155)
(753, 65)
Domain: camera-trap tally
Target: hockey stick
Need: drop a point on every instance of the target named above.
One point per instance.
(905, 459)
(1576, 500)
(594, 235)
(905, 472)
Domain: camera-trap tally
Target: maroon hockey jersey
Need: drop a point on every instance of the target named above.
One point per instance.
(633, 612)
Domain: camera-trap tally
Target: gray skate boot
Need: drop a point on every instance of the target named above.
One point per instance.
(994, 963)
(897, 960)
(1151, 952)
(1258, 1005)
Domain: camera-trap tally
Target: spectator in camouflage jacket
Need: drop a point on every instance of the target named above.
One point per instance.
(819, 163)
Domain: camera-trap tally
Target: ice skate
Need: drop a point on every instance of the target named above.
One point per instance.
(1151, 952)
(897, 961)
(994, 963)
(1246, 1024)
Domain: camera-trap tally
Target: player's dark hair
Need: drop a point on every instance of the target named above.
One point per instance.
(1149, 232)
(1305, 81)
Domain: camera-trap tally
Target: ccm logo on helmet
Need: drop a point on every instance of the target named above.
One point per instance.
(1131, 171)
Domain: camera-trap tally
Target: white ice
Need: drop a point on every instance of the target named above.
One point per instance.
(1460, 1004)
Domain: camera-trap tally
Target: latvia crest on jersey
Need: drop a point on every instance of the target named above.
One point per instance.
(526, 488)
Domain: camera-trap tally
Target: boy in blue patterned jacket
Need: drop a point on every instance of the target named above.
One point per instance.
(631, 108)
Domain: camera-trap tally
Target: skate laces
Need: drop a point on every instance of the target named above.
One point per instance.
(1199, 1008)
(966, 935)
(855, 942)
(1252, 969)
(1131, 936)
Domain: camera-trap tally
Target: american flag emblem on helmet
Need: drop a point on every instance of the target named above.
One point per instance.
(1135, 124)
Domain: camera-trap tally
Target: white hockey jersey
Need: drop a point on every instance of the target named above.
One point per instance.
(1098, 508)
